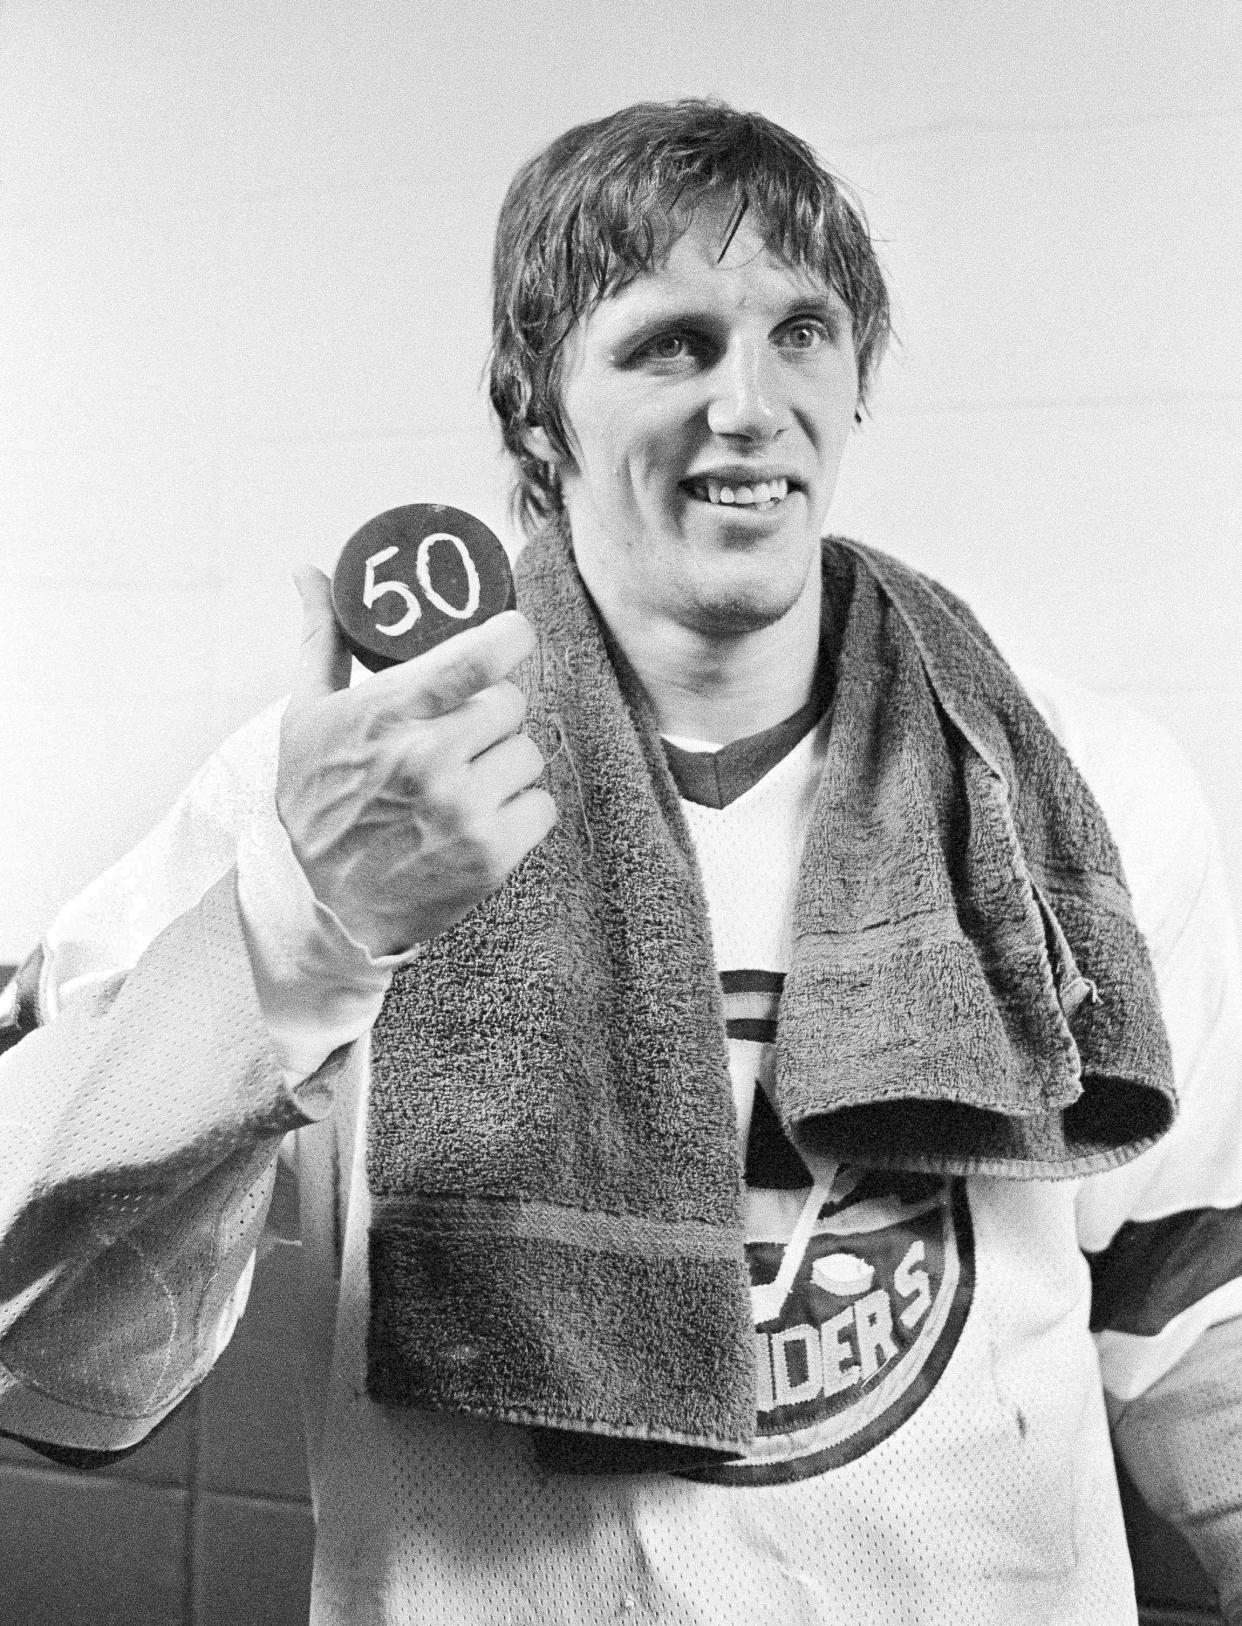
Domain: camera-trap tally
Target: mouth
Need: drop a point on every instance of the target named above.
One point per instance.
(759, 496)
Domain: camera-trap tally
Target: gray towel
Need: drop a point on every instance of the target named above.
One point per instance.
(552, 1150)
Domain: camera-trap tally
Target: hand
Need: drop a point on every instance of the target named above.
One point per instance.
(410, 798)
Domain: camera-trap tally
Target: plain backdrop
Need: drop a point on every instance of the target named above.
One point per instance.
(243, 307)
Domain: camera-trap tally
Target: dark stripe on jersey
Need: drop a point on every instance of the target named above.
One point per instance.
(762, 1029)
(1155, 1269)
(24, 1017)
(716, 778)
(752, 982)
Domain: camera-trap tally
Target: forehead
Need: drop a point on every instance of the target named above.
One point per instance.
(719, 258)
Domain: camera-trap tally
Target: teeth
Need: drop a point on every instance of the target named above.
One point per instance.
(740, 496)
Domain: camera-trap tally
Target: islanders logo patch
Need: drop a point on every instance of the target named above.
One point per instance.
(861, 1281)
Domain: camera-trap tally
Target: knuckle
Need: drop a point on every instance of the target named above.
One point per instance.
(459, 675)
(409, 772)
(378, 716)
(437, 793)
(374, 727)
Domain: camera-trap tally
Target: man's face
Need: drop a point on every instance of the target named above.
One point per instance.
(708, 404)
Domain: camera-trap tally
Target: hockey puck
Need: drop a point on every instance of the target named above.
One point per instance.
(414, 576)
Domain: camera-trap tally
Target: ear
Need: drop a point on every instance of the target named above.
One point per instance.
(539, 444)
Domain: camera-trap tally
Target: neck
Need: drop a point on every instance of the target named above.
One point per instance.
(715, 688)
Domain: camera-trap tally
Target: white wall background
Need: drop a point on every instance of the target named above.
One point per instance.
(243, 306)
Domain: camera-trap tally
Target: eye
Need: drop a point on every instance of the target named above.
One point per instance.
(668, 347)
(807, 333)
(673, 346)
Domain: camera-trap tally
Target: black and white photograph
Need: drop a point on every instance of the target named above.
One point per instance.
(620, 854)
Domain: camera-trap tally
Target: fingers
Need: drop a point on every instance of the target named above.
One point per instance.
(441, 680)
(507, 769)
(484, 720)
(506, 778)
(527, 819)
(324, 663)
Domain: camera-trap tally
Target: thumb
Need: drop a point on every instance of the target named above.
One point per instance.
(324, 663)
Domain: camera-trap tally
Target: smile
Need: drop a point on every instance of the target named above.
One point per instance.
(763, 494)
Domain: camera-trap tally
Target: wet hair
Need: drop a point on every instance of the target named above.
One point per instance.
(605, 202)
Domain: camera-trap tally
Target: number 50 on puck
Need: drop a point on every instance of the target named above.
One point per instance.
(412, 577)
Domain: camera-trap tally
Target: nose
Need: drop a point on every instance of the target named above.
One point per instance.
(745, 399)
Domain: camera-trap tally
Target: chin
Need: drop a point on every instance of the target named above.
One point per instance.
(734, 614)
(731, 603)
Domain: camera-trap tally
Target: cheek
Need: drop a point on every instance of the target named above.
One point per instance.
(601, 448)
(838, 425)
(633, 463)
(627, 445)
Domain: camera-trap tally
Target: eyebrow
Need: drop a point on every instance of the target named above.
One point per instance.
(638, 319)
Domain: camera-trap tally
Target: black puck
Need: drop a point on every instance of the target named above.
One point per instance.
(414, 576)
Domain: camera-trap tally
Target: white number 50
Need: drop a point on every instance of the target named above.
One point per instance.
(373, 590)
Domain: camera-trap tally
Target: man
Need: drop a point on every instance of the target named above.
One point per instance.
(709, 1003)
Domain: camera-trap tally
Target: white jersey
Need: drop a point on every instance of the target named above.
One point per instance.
(932, 1439)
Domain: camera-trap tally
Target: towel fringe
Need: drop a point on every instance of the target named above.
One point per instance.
(562, 745)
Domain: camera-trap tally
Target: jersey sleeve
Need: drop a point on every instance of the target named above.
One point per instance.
(1163, 1235)
(142, 1107)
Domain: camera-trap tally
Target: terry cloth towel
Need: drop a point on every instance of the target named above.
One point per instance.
(552, 1151)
